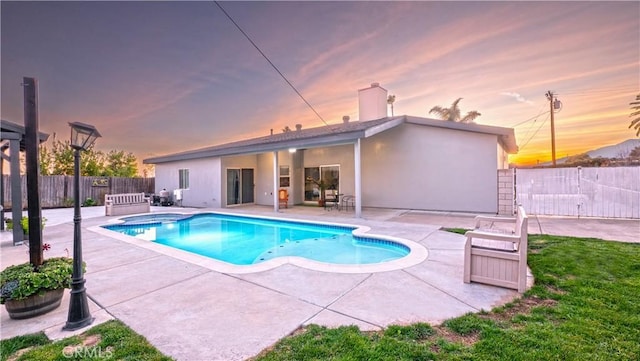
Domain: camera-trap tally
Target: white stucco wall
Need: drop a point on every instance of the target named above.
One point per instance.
(420, 167)
(503, 157)
(264, 182)
(204, 181)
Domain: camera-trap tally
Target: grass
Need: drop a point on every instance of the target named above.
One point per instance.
(584, 306)
(111, 340)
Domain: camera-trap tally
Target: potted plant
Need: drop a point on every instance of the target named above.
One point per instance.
(24, 223)
(322, 185)
(28, 291)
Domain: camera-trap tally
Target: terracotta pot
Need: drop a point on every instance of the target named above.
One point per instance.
(34, 305)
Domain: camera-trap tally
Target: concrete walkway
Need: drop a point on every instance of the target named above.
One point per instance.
(193, 313)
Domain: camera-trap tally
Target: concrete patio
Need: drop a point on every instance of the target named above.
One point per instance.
(190, 312)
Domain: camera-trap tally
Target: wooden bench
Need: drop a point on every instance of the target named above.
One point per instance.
(497, 257)
(128, 203)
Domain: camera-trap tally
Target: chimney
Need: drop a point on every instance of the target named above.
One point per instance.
(298, 127)
(372, 102)
(345, 119)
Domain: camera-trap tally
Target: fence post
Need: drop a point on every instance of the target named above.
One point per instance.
(506, 191)
(579, 190)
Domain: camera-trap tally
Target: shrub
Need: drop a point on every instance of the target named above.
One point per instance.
(21, 281)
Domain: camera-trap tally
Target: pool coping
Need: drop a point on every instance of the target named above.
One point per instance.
(417, 252)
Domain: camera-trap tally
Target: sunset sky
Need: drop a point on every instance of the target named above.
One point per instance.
(163, 77)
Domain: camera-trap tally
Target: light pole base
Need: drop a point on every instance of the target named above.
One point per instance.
(72, 326)
(79, 314)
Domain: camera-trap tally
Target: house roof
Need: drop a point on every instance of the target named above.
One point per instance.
(331, 135)
(14, 131)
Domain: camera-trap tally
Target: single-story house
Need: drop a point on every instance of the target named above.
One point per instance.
(401, 162)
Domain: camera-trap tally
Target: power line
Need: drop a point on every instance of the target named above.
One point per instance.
(533, 117)
(530, 128)
(270, 62)
(536, 132)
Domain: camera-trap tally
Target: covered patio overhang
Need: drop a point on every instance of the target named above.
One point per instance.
(13, 139)
(357, 168)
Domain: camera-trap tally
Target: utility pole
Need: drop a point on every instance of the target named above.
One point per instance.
(553, 105)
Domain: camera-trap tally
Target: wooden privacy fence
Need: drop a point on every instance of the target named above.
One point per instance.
(57, 190)
(611, 192)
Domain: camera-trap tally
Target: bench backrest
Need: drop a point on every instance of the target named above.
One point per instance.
(522, 225)
(125, 198)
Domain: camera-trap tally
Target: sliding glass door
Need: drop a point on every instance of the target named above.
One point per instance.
(239, 186)
(329, 175)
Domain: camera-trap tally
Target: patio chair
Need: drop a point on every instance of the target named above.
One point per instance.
(283, 198)
(331, 199)
(348, 201)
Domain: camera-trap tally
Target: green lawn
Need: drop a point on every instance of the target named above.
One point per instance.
(585, 305)
(111, 340)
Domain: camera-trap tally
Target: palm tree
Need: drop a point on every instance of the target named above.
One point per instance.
(390, 100)
(635, 123)
(452, 113)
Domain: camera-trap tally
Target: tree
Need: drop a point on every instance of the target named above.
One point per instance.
(452, 113)
(58, 160)
(121, 164)
(635, 153)
(93, 163)
(635, 123)
(61, 158)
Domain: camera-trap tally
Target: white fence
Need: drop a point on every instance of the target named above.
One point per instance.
(590, 192)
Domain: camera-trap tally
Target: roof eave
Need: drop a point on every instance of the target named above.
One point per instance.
(394, 122)
(313, 142)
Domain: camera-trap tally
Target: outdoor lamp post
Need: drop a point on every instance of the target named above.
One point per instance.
(82, 137)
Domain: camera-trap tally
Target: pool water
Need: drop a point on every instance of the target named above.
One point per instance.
(247, 240)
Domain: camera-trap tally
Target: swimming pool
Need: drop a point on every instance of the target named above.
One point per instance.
(247, 240)
(363, 233)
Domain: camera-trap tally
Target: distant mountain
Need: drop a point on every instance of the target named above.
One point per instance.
(615, 151)
(610, 151)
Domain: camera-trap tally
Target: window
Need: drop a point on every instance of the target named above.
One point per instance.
(183, 178)
(284, 176)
